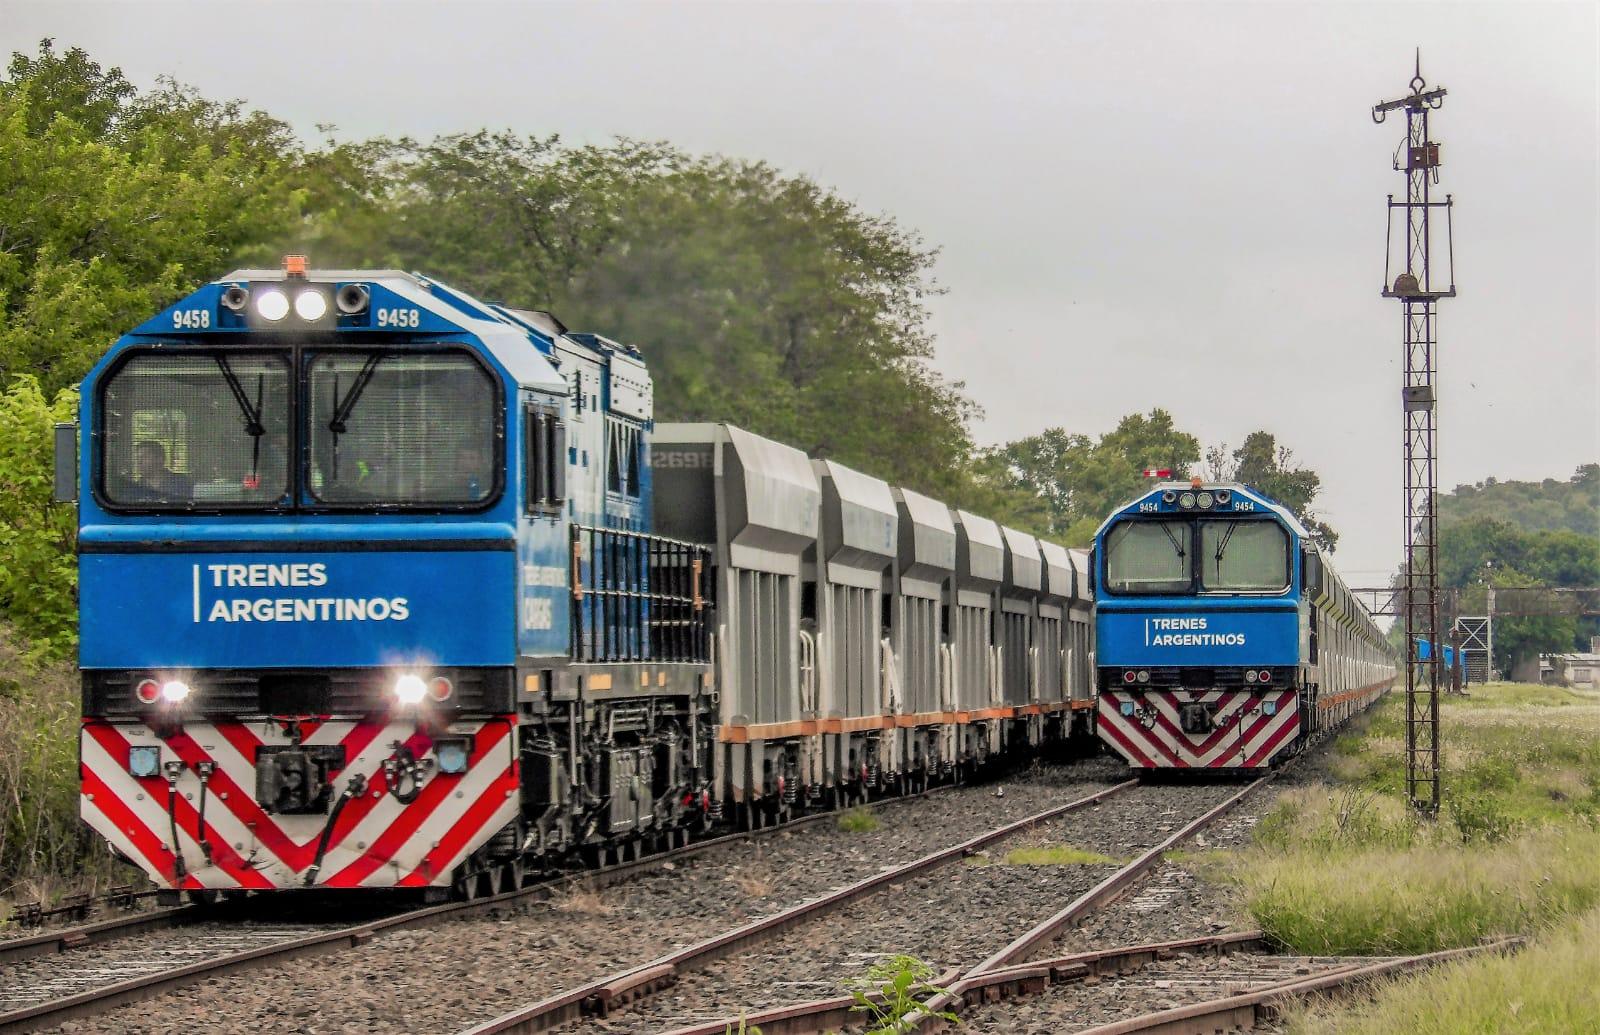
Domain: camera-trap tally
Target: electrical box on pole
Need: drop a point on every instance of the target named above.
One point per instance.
(1414, 278)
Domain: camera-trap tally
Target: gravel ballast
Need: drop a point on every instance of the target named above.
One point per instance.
(952, 916)
(456, 974)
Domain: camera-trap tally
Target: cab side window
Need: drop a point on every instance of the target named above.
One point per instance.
(545, 456)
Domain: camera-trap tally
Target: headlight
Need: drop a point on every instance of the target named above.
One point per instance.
(310, 306)
(1186, 501)
(272, 305)
(452, 753)
(1204, 500)
(410, 689)
(144, 760)
(1144, 675)
(175, 691)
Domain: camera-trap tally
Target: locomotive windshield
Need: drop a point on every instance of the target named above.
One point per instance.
(404, 429)
(196, 430)
(1243, 556)
(1235, 556)
(211, 431)
(1149, 557)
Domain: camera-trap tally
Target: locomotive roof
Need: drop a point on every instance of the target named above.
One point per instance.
(1131, 508)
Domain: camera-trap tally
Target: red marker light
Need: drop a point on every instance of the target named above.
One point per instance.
(440, 688)
(148, 691)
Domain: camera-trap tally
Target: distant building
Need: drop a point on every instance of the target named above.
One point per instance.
(1576, 670)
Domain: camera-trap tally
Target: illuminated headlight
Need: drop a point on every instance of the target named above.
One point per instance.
(452, 753)
(1204, 500)
(410, 689)
(272, 305)
(1186, 501)
(144, 760)
(175, 691)
(310, 306)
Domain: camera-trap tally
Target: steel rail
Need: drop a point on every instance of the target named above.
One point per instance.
(839, 1012)
(1245, 1010)
(14, 950)
(1003, 969)
(602, 995)
(97, 1001)
(1112, 887)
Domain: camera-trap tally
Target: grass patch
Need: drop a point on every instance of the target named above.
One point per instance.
(858, 820)
(1057, 855)
(1551, 986)
(1348, 868)
(1390, 897)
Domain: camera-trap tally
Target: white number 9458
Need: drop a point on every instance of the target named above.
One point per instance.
(399, 317)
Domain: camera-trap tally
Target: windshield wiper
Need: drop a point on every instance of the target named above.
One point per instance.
(252, 414)
(342, 405)
(1171, 538)
(1223, 545)
(342, 408)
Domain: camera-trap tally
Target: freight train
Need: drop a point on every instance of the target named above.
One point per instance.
(1224, 640)
(384, 586)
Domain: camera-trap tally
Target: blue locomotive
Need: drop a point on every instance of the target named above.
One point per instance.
(1223, 638)
(375, 594)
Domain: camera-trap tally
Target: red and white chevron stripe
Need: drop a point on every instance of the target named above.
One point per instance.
(1243, 735)
(377, 842)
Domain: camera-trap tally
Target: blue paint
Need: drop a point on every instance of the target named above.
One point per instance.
(463, 606)
(1196, 634)
(163, 610)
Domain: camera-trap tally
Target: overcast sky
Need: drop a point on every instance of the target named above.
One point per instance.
(1137, 205)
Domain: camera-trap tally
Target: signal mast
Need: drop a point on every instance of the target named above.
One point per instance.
(1419, 289)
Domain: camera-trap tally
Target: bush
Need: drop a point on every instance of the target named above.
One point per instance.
(44, 847)
(38, 567)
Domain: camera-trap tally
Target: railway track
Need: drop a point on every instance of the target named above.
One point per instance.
(818, 942)
(997, 955)
(102, 965)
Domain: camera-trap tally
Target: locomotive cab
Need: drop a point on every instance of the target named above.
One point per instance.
(360, 558)
(1210, 600)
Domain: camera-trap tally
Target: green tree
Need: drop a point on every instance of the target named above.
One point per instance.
(757, 297)
(1264, 465)
(1480, 552)
(1549, 505)
(1077, 480)
(38, 572)
(114, 203)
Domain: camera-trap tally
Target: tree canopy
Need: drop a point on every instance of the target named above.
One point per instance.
(1264, 465)
(1548, 505)
(1078, 480)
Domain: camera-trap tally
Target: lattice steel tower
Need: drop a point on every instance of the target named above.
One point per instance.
(1419, 286)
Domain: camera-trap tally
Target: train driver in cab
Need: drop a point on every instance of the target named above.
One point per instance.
(155, 481)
